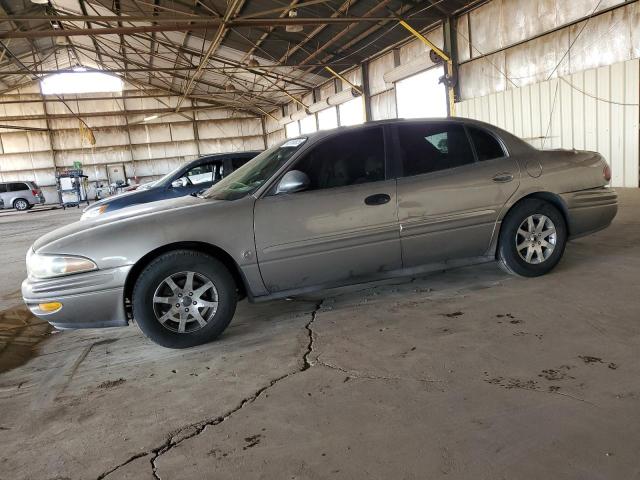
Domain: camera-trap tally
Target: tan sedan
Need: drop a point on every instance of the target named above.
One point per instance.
(339, 207)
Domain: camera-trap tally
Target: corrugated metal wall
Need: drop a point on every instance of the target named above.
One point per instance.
(592, 110)
(512, 43)
(148, 149)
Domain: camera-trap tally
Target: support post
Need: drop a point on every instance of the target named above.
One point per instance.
(366, 92)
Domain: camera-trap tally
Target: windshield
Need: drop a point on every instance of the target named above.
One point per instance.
(251, 176)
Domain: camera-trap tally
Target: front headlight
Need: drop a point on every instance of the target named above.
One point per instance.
(49, 266)
(95, 212)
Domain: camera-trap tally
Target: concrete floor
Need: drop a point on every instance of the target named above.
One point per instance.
(468, 374)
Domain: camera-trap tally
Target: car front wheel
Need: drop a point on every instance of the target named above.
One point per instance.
(532, 238)
(184, 298)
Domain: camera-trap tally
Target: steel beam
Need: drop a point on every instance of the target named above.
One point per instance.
(177, 27)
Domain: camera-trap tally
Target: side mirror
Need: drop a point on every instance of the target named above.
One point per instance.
(293, 181)
(179, 183)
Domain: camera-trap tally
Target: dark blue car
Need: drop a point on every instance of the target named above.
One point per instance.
(190, 178)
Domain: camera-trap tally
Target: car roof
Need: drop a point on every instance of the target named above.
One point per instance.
(513, 143)
(222, 156)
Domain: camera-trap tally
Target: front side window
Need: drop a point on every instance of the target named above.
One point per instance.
(3, 187)
(426, 148)
(201, 174)
(346, 159)
(487, 147)
(251, 176)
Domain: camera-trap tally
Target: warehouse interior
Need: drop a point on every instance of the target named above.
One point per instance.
(464, 373)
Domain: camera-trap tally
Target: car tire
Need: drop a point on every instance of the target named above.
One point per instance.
(171, 312)
(532, 239)
(21, 204)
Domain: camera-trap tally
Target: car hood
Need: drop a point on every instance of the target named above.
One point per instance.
(113, 198)
(125, 214)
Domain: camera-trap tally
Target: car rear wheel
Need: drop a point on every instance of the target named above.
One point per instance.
(532, 238)
(21, 204)
(184, 298)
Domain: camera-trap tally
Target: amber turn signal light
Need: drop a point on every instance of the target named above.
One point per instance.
(50, 307)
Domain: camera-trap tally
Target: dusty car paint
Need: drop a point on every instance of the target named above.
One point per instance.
(281, 245)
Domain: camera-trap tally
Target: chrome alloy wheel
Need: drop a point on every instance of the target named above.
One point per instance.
(185, 302)
(536, 239)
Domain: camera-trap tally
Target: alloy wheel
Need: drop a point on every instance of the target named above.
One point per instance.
(536, 239)
(185, 302)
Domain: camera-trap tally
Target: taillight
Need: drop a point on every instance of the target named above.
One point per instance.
(606, 172)
(35, 193)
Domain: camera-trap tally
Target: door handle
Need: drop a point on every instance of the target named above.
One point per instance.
(503, 177)
(377, 199)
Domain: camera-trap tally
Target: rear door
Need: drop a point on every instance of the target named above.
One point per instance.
(449, 196)
(342, 228)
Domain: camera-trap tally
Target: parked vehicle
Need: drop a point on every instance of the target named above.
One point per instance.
(187, 179)
(333, 208)
(21, 195)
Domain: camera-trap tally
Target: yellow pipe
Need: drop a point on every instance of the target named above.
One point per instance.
(336, 74)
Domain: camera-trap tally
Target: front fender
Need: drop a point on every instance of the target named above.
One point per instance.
(122, 239)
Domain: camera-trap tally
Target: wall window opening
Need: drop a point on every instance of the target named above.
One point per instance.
(80, 81)
(308, 124)
(328, 118)
(292, 129)
(422, 96)
(352, 112)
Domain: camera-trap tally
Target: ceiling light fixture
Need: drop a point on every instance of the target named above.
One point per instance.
(152, 117)
(293, 28)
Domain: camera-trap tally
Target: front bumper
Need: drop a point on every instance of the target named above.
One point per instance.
(89, 300)
(590, 210)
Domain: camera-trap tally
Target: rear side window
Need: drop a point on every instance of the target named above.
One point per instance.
(487, 147)
(427, 148)
(350, 158)
(18, 187)
(3, 187)
(236, 163)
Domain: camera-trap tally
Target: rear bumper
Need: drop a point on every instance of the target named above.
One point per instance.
(89, 300)
(590, 210)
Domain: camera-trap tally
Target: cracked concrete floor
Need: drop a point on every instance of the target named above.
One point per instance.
(467, 374)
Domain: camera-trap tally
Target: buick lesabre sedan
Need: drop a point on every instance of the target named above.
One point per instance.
(333, 208)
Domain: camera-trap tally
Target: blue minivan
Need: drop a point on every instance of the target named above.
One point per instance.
(185, 180)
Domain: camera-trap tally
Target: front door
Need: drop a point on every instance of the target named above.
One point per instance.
(454, 181)
(342, 228)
